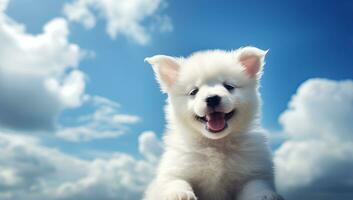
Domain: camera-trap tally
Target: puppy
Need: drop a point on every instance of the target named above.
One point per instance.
(213, 147)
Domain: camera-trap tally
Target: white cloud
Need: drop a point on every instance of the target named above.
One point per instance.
(70, 90)
(150, 146)
(125, 119)
(104, 122)
(33, 171)
(3, 4)
(8, 177)
(127, 17)
(316, 160)
(33, 167)
(39, 74)
(39, 78)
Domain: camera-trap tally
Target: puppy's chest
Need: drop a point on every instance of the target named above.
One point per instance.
(215, 171)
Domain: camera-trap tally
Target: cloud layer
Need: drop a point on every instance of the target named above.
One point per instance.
(32, 171)
(105, 122)
(37, 72)
(39, 78)
(126, 17)
(316, 161)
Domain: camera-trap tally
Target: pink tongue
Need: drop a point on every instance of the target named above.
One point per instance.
(216, 121)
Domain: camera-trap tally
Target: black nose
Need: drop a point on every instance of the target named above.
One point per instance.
(213, 101)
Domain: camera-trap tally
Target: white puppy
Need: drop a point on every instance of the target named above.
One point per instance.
(213, 147)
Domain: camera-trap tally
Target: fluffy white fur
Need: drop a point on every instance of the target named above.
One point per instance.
(232, 164)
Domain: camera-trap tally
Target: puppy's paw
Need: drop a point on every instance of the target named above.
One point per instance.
(180, 195)
(269, 196)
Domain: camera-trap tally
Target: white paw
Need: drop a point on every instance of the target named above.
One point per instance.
(180, 195)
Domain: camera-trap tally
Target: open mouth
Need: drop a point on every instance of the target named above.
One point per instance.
(216, 121)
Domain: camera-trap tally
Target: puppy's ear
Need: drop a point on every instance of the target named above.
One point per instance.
(166, 69)
(252, 59)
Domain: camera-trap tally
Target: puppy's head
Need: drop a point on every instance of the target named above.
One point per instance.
(212, 92)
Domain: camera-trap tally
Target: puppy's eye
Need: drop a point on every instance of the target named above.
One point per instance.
(194, 91)
(229, 87)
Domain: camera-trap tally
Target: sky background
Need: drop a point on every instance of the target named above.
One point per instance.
(81, 115)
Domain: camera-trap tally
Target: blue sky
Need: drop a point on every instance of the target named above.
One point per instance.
(306, 39)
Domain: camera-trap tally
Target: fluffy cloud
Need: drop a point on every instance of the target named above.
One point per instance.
(316, 161)
(38, 73)
(28, 168)
(39, 78)
(104, 122)
(150, 146)
(3, 4)
(127, 17)
(31, 171)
